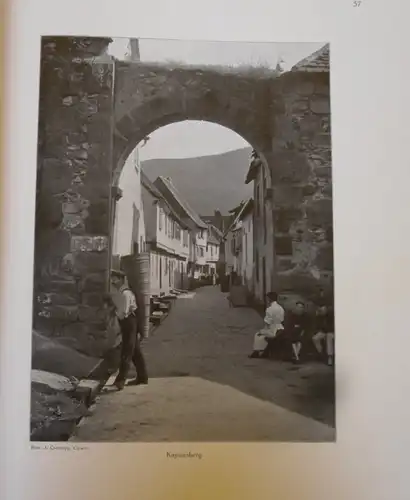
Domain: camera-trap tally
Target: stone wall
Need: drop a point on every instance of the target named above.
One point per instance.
(73, 193)
(302, 180)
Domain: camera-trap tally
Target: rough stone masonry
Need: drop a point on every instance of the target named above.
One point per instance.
(302, 180)
(73, 193)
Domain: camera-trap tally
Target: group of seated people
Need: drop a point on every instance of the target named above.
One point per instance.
(292, 334)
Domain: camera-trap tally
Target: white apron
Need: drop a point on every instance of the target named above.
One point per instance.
(274, 317)
(259, 341)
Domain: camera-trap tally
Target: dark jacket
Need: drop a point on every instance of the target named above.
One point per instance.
(325, 323)
(296, 324)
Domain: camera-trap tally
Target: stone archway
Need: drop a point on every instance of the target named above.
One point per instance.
(94, 111)
(286, 119)
(150, 96)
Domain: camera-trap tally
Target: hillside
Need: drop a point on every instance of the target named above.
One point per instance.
(207, 182)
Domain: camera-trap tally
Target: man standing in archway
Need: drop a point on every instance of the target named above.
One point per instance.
(125, 309)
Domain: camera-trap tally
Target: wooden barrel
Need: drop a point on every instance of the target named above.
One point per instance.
(137, 269)
(143, 270)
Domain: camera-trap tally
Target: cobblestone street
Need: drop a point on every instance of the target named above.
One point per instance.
(203, 387)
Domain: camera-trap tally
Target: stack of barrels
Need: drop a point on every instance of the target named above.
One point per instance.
(137, 269)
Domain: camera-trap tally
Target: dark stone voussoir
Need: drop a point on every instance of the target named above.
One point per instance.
(58, 299)
(299, 282)
(283, 245)
(285, 217)
(60, 313)
(324, 258)
(95, 282)
(86, 263)
(320, 212)
(287, 196)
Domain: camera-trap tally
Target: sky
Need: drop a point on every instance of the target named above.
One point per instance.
(192, 138)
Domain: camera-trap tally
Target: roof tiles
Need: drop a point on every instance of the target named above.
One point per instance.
(318, 62)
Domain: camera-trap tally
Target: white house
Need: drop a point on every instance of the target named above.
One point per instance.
(167, 240)
(198, 228)
(247, 260)
(128, 214)
(263, 228)
(213, 249)
(200, 251)
(239, 245)
(129, 227)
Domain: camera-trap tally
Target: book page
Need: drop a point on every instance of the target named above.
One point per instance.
(204, 260)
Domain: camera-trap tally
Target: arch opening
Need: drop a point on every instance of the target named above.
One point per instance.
(221, 141)
(124, 144)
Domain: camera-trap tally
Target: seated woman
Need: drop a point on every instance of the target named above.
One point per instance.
(273, 321)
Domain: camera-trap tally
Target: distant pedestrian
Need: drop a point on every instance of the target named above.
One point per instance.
(273, 323)
(296, 325)
(126, 311)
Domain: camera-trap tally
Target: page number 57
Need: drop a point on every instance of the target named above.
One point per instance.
(357, 3)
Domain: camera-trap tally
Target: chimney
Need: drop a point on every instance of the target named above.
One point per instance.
(218, 220)
(134, 45)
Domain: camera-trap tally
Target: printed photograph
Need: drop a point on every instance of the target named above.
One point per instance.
(183, 282)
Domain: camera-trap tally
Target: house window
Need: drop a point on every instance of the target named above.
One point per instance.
(161, 215)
